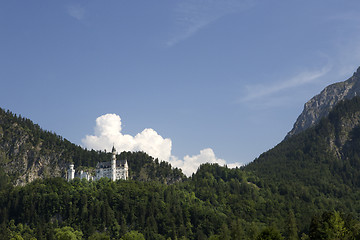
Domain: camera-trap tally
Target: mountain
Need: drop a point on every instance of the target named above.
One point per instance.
(317, 169)
(320, 105)
(329, 149)
(308, 187)
(27, 153)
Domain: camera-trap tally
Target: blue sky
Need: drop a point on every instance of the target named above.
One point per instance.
(189, 80)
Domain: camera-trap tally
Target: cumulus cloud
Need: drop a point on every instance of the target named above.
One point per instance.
(107, 133)
(190, 164)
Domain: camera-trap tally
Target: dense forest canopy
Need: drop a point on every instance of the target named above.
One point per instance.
(307, 187)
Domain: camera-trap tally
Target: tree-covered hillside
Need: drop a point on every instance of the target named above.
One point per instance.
(217, 203)
(307, 187)
(27, 152)
(320, 163)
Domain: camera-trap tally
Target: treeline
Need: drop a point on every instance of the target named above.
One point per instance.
(307, 187)
(234, 209)
(156, 210)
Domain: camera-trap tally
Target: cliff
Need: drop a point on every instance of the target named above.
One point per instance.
(320, 105)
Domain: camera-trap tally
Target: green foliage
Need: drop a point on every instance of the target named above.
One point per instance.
(269, 233)
(133, 235)
(18, 232)
(143, 167)
(99, 236)
(334, 225)
(306, 186)
(317, 169)
(67, 233)
(291, 231)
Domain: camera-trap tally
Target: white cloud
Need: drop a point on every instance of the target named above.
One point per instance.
(152, 143)
(234, 165)
(193, 15)
(260, 90)
(76, 11)
(107, 133)
(190, 164)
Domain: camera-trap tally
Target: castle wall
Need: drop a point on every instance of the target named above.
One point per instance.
(113, 170)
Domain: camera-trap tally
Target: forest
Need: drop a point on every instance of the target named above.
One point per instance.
(221, 206)
(307, 187)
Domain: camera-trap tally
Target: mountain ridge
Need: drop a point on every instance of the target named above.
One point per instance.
(313, 173)
(318, 168)
(320, 105)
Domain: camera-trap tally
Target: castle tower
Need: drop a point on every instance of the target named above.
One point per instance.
(71, 172)
(113, 164)
(126, 169)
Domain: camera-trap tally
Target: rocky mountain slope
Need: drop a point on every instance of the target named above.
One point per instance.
(327, 154)
(318, 168)
(320, 105)
(27, 153)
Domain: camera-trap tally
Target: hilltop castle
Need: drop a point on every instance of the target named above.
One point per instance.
(114, 170)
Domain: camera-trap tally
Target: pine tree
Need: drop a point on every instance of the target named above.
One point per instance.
(291, 227)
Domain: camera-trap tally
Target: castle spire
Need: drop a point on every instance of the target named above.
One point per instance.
(113, 164)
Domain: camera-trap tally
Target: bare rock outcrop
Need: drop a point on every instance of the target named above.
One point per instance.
(320, 105)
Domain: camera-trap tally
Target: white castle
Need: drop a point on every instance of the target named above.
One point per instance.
(114, 170)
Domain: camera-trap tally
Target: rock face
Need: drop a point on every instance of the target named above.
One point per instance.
(23, 159)
(320, 105)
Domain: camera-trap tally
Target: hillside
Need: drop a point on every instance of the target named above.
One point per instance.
(326, 151)
(27, 153)
(306, 187)
(318, 168)
(320, 105)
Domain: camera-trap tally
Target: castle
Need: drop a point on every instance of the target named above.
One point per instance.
(114, 170)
